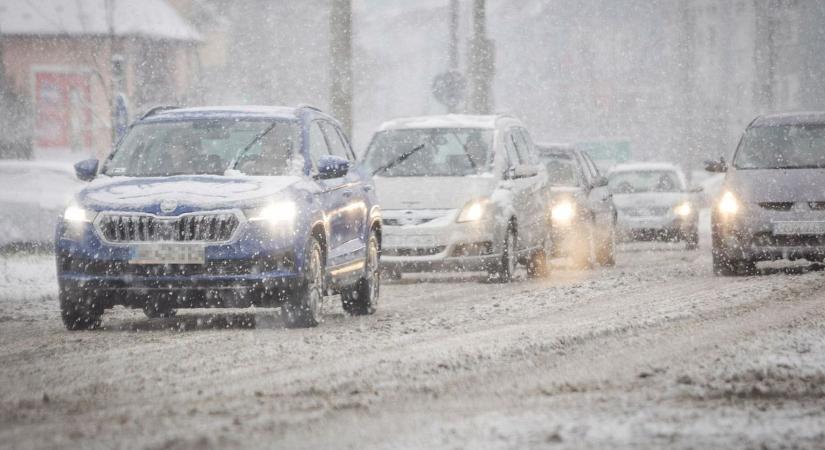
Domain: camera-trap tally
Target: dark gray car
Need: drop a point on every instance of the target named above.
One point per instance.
(772, 204)
(582, 218)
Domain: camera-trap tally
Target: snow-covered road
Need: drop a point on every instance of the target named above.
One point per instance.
(656, 352)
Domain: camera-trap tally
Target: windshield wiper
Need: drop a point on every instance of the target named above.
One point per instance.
(257, 138)
(401, 158)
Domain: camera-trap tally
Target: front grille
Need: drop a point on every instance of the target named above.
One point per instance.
(118, 227)
(647, 212)
(473, 249)
(777, 206)
(817, 206)
(397, 222)
(768, 239)
(400, 218)
(409, 251)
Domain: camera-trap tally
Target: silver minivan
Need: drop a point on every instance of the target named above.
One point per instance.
(772, 204)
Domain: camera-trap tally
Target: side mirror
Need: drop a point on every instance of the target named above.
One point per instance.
(86, 170)
(600, 182)
(332, 167)
(524, 171)
(716, 166)
(696, 189)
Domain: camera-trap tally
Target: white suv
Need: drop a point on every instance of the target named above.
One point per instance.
(460, 193)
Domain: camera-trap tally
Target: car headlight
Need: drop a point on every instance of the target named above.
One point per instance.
(279, 213)
(473, 211)
(563, 212)
(76, 214)
(683, 210)
(728, 204)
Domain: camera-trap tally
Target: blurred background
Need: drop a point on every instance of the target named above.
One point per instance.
(643, 79)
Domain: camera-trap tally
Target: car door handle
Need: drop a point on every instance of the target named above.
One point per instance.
(347, 194)
(367, 188)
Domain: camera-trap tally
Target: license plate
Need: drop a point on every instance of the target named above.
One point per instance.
(798, 228)
(413, 241)
(167, 254)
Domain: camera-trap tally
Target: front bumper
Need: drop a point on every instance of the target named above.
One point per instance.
(669, 226)
(471, 246)
(256, 262)
(751, 235)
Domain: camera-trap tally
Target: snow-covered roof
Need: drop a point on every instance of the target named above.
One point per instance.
(643, 166)
(246, 110)
(153, 19)
(443, 121)
(791, 118)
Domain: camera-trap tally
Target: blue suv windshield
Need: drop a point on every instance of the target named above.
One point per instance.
(435, 152)
(782, 147)
(206, 146)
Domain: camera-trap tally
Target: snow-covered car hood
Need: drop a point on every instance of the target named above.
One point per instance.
(777, 185)
(193, 191)
(431, 192)
(649, 200)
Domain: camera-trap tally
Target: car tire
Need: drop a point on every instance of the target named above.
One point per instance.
(80, 310)
(159, 307)
(691, 239)
(505, 268)
(537, 266)
(362, 299)
(606, 253)
(302, 308)
(725, 266)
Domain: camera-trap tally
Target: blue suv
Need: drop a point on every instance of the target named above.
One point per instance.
(222, 207)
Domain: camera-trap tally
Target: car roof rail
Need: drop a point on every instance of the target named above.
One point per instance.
(308, 106)
(157, 109)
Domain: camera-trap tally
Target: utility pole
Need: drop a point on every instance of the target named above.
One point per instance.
(453, 50)
(340, 25)
(482, 63)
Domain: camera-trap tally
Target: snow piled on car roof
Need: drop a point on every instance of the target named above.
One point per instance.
(286, 112)
(443, 121)
(641, 166)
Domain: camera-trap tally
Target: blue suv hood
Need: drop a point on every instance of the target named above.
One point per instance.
(188, 192)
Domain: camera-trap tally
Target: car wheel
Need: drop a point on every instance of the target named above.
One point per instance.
(691, 239)
(362, 299)
(606, 253)
(303, 307)
(80, 310)
(505, 268)
(537, 264)
(159, 307)
(725, 266)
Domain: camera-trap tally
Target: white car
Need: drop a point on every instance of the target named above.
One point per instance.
(33, 194)
(460, 193)
(653, 202)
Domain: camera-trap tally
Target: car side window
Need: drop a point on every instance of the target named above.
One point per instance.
(586, 171)
(347, 144)
(520, 146)
(591, 165)
(529, 151)
(510, 146)
(336, 144)
(317, 144)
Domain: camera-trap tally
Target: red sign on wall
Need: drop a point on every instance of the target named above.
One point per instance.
(63, 111)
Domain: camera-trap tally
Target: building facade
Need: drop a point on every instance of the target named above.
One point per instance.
(69, 59)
